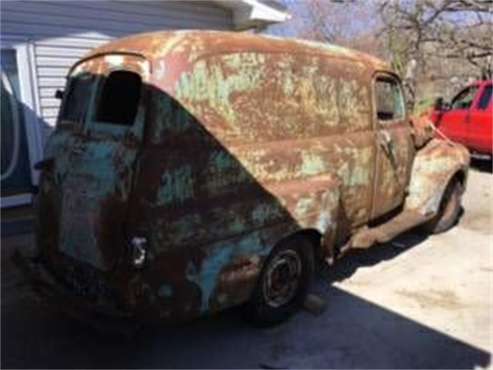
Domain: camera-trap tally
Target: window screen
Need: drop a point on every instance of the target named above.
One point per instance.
(119, 99)
(389, 100)
(485, 99)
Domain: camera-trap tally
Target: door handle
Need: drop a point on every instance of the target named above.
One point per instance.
(386, 142)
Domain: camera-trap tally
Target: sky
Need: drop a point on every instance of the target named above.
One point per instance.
(352, 25)
(356, 17)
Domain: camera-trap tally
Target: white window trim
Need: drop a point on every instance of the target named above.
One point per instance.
(29, 97)
(15, 200)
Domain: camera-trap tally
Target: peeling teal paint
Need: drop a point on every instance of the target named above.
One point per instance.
(237, 225)
(207, 81)
(265, 212)
(87, 179)
(182, 228)
(220, 255)
(360, 176)
(312, 164)
(176, 186)
(220, 161)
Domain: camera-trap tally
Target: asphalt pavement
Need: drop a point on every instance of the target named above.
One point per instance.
(418, 302)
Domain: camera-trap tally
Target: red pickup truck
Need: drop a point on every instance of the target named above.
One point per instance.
(468, 119)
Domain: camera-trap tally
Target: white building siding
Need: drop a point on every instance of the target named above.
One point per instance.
(61, 32)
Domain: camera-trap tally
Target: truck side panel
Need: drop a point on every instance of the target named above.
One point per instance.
(250, 149)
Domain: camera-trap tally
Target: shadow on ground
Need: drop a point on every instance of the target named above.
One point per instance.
(355, 259)
(351, 333)
(482, 165)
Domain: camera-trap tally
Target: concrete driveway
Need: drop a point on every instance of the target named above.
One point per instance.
(420, 302)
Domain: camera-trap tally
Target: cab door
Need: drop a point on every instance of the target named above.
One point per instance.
(395, 149)
(454, 122)
(479, 136)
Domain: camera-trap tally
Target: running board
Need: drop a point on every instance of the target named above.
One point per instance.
(404, 221)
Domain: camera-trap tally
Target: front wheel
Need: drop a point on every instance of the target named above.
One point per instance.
(283, 283)
(449, 210)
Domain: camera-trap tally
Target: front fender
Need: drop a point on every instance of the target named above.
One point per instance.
(434, 166)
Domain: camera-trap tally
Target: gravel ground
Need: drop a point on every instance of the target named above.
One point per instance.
(419, 302)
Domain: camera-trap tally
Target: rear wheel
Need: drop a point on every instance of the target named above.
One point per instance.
(449, 210)
(283, 283)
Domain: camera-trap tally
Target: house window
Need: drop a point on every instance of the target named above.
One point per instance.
(119, 99)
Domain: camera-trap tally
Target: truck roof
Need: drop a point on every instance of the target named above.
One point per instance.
(157, 45)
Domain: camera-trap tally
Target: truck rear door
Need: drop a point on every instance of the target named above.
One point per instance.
(94, 150)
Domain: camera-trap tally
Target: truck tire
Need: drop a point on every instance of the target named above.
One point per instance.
(283, 283)
(449, 209)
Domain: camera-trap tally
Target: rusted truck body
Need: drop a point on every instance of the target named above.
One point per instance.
(183, 162)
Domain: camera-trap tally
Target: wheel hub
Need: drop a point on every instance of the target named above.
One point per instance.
(282, 278)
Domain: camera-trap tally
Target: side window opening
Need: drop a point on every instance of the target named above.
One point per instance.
(389, 99)
(485, 99)
(119, 99)
(464, 99)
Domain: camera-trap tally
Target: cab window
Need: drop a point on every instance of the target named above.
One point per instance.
(389, 100)
(464, 99)
(485, 99)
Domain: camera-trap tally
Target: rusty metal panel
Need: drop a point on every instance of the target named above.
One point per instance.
(435, 164)
(246, 142)
(188, 46)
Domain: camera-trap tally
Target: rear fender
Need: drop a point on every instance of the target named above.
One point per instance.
(317, 213)
(317, 210)
(433, 168)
